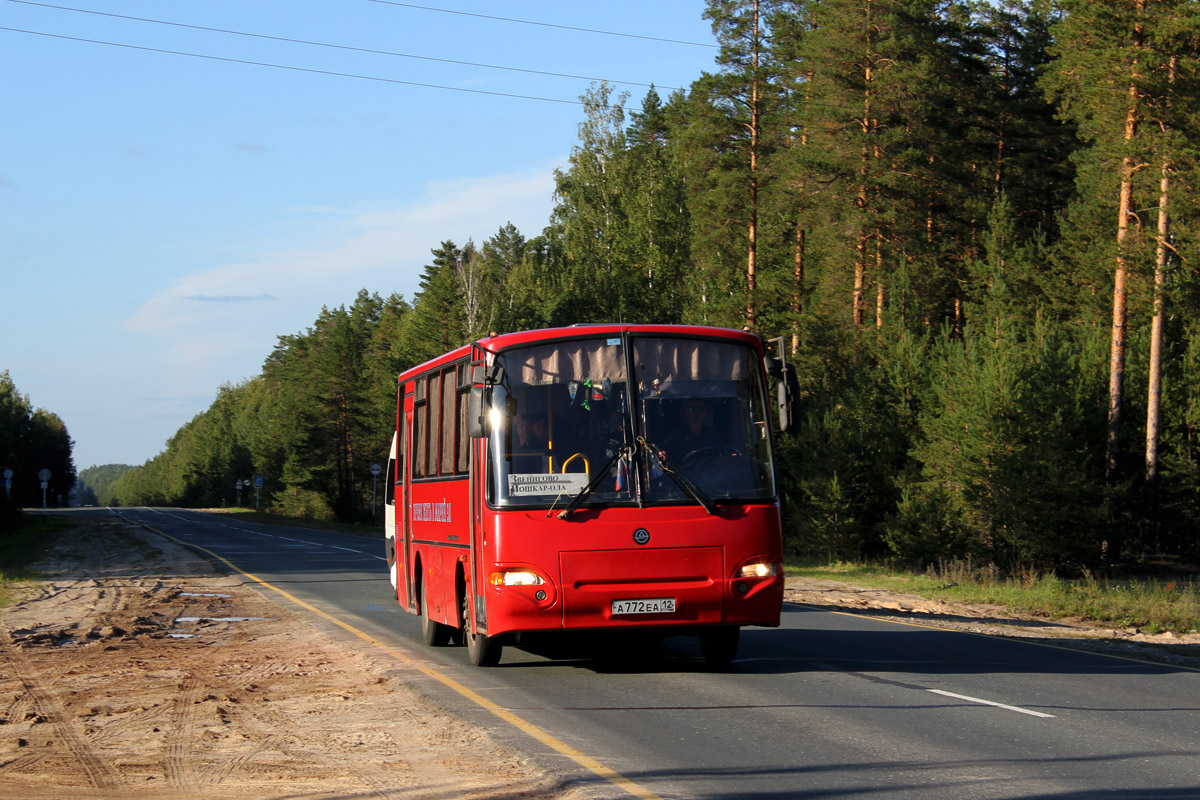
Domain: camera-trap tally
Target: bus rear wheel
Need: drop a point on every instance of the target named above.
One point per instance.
(482, 650)
(719, 645)
(433, 634)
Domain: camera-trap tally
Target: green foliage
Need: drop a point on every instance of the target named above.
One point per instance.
(95, 484)
(926, 190)
(620, 228)
(1006, 469)
(31, 439)
(1154, 605)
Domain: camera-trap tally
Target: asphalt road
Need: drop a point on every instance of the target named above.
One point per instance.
(828, 706)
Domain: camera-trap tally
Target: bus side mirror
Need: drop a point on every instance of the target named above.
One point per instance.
(787, 395)
(479, 401)
(481, 373)
(479, 398)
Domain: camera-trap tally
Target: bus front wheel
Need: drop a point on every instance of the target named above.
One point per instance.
(433, 634)
(483, 650)
(719, 645)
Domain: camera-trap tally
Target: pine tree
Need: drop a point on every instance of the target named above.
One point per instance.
(436, 323)
(32, 439)
(1112, 77)
(590, 218)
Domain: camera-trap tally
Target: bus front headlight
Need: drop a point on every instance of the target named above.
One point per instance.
(515, 578)
(760, 569)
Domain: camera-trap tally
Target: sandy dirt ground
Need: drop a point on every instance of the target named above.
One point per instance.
(133, 669)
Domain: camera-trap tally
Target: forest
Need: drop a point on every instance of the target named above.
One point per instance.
(31, 439)
(973, 224)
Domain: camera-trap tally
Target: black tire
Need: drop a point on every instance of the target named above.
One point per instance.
(433, 634)
(482, 650)
(719, 645)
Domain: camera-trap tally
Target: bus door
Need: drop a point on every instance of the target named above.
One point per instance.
(389, 513)
(404, 502)
(477, 470)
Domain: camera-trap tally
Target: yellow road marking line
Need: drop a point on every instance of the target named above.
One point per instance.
(526, 727)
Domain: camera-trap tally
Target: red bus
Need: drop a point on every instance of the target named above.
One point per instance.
(597, 477)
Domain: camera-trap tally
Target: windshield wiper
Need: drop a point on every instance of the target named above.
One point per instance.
(624, 451)
(680, 477)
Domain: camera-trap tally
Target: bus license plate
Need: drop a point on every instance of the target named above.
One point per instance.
(653, 605)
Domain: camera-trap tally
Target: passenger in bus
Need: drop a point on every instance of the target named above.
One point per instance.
(529, 450)
(531, 433)
(540, 433)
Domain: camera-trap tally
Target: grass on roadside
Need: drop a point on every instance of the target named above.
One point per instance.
(24, 544)
(1150, 605)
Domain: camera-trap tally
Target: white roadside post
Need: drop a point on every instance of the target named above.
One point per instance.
(44, 477)
(375, 470)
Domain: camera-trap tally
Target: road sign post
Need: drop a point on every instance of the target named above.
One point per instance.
(258, 482)
(44, 477)
(375, 470)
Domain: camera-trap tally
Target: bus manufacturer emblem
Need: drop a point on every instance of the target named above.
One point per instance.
(641, 536)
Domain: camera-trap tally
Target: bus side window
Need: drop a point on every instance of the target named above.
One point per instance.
(420, 410)
(389, 485)
(395, 468)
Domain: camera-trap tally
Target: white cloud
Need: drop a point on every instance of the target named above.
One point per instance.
(343, 251)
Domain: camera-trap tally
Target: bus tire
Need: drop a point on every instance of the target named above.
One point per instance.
(482, 650)
(719, 645)
(433, 634)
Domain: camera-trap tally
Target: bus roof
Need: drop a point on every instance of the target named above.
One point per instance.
(504, 341)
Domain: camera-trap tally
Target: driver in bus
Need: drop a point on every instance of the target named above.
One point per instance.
(694, 432)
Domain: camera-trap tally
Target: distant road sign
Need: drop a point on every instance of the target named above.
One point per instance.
(258, 481)
(44, 475)
(376, 469)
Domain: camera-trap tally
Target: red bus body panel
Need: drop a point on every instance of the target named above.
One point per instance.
(440, 532)
(593, 559)
(451, 542)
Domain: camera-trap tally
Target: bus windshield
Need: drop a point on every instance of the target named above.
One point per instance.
(690, 426)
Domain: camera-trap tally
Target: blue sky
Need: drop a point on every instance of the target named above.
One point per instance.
(164, 217)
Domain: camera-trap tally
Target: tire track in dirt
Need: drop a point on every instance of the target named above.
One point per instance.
(324, 752)
(178, 761)
(100, 773)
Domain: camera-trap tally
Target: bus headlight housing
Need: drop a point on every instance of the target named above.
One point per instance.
(760, 569)
(521, 577)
